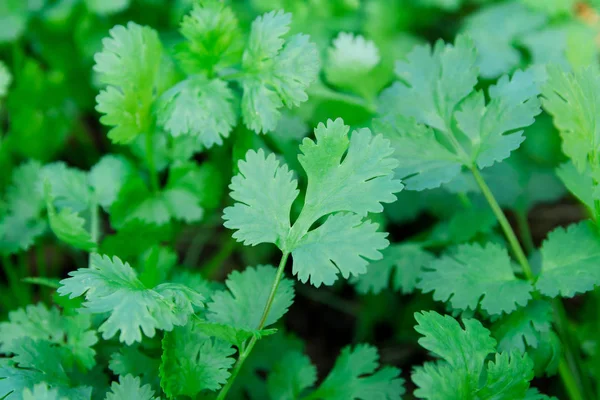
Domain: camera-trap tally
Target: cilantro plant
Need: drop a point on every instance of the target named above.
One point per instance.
(299, 200)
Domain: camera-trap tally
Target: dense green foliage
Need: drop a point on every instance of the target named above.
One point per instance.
(429, 168)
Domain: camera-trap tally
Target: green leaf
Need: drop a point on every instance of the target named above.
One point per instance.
(350, 60)
(425, 162)
(131, 360)
(38, 361)
(107, 177)
(352, 175)
(38, 322)
(68, 187)
(480, 276)
(129, 63)
(193, 361)
(581, 185)
(464, 353)
(23, 201)
(41, 391)
(242, 305)
(400, 268)
(264, 192)
(345, 174)
(109, 286)
(129, 387)
(212, 34)
(292, 374)
(68, 226)
(343, 244)
(199, 107)
(13, 19)
(437, 121)
(523, 327)
(231, 334)
(277, 71)
(569, 261)
(355, 375)
(495, 30)
(572, 101)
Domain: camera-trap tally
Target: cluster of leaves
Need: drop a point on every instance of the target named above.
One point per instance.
(113, 246)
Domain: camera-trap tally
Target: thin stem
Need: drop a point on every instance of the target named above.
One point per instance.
(150, 160)
(506, 228)
(245, 351)
(95, 224)
(326, 93)
(574, 380)
(569, 380)
(526, 237)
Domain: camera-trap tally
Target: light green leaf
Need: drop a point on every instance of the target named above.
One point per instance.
(278, 71)
(106, 7)
(523, 327)
(107, 177)
(212, 34)
(129, 387)
(112, 287)
(480, 276)
(129, 63)
(68, 226)
(264, 191)
(242, 305)
(570, 260)
(355, 375)
(41, 391)
(508, 377)
(193, 361)
(495, 30)
(400, 268)
(343, 244)
(199, 107)
(292, 374)
(68, 187)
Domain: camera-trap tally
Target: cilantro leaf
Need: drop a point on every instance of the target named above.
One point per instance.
(347, 174)
(107, 177)
(341, 245)
(106, 7)
(572, 101)
(129, 64)
(439, 122)
(262, 211)
(129, 387)
(109, 286)
(278, 71)
(212, 33)
(38, 322)
(199, 107)
(495, 30)
(292, 374)
(242, 305)
(523, 327)
(131, 360)
(349, 62)
(68, 187)
(193, 361)
(350, 177)
(69, 227)
(20, 209)
(355, 376)
(464, 352)
(401, 267)
(480, 275)
(569, 261)
(41, 391)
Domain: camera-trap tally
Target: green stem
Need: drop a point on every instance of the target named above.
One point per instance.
(246, 350)
(154, 184)
(325, 93)
(569, 380)
(95, 224)
(525, 232)
(506, 228)
(570, 357)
